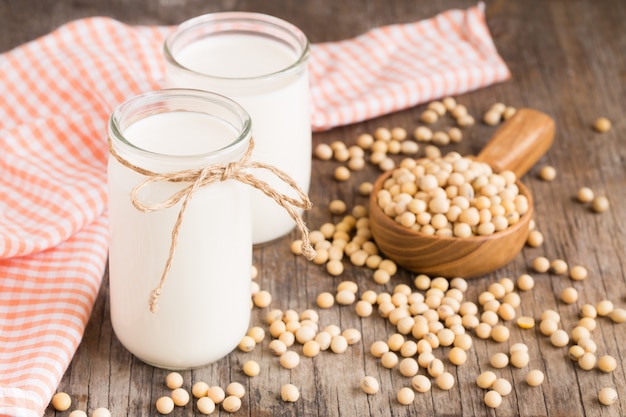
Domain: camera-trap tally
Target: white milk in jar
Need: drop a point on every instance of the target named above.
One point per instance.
(260, 62)
(203, 310)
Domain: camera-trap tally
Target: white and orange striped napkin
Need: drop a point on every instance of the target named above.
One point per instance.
(398, 66)
(56, 94)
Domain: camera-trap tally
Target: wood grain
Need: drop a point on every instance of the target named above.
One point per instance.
(567, 60)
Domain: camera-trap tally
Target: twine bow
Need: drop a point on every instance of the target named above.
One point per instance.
(197, 178)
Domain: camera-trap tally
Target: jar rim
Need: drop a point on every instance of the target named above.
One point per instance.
(153, 102)
(272, 23)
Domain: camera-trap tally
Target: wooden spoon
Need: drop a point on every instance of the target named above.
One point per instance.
(517, 145)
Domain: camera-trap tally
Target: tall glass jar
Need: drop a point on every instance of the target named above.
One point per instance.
(204, 306)
(259, 61)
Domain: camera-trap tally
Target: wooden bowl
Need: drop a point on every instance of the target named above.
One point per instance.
(516, 146)
(447, 256)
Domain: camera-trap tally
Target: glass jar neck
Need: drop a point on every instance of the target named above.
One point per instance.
(239, 23)
(172, 105)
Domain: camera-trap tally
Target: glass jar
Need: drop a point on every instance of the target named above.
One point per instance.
(259, 61)
(203, 309)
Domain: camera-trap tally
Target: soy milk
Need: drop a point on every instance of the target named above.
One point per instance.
(204, 308)
(260, 62)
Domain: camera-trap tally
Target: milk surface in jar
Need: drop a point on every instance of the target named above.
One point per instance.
(203, 310)
(260, 62)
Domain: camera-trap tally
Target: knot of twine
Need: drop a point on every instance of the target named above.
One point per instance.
(198, 178)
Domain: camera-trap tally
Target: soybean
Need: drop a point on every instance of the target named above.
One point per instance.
(262, 299)
(421, 383)
(526, 322)
(520, 359)
(231, 404)
(289, 359)
(174, 380)
(618, 315)
(61, 401)
(559, 338)
(164, 405)
(205, 405)
(534, 378)
(585, 195)
(500, 333)
(216, 393)
(493, 399)
(547, 173)
(445, 381)
(525, 282)
(502, 387)
(409, 367)
(180, 396)
(457, 356)
(406, 396)
(323, 152)
(569, 295)
(548, 326)
(101, 412)
(251, 368)
(369, 385)
(499, 360)
(506, 311)
(604, 308)
(486, 379)
(578, 273)
(200, 389)
(602, 124)
(342, 173)
(338, 344)
(607, 396)
(607, 363)
(541, 264)
(600, 204)
(289, 393)
(325, 300)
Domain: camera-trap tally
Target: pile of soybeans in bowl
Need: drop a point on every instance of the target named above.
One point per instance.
(452, 195)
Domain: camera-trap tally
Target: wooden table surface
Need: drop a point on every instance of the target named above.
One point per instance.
(567, 59)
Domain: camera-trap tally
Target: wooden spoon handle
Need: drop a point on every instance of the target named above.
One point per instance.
(519, 142)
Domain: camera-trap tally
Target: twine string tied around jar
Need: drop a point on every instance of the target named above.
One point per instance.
(197, 178)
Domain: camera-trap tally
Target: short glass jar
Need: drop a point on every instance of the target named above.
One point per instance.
(259, 61)
(203, 309)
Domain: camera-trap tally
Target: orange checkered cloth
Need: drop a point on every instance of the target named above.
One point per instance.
(57, 93)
